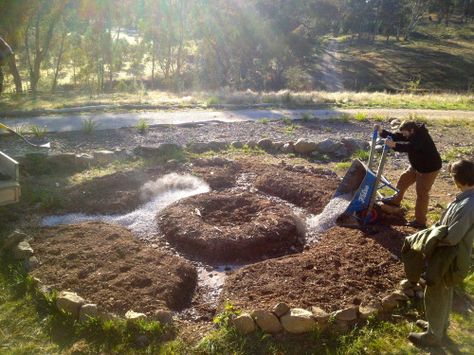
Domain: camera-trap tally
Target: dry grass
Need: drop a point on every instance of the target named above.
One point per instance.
(285, 98)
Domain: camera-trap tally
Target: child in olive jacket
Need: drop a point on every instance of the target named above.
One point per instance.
(451, 245)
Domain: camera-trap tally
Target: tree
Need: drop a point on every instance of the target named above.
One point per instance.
(417, 9)
(43, 18)
(11, 24)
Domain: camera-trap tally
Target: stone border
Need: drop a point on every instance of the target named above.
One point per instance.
(69, 302)
(298, 320)
(338, 149)
(280, 318)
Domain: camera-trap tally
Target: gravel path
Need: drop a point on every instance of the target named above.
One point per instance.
(66, 123)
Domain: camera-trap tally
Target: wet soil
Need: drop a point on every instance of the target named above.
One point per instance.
(219, 173)
(236, 223)
(229, 227)
(348, 266)
(310, 189)
(107, 265)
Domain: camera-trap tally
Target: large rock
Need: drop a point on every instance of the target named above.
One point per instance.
(281, 309)
(22, 251)
(348, 314)
(328, 146)
(31, 263)
(132, 315)
(353, 144)
(103, 156)
(13, 239)
(320, 315)
(288, 148)
(244, 323)
(163, 316)
(365, 312)
(267, 321)
(342, 153)
(298, 321)
(205, 147)
(391, 301)
(278, 145)
(69, 302)
(265, 144)
(237, 145)
(252, 144)
(304, 146)
(88, 311)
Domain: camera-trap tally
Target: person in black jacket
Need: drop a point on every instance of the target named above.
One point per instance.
(425, 163)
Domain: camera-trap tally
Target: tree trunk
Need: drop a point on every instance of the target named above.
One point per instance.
(15, 74)
(1, 80)
(153, 63)
(58, 63)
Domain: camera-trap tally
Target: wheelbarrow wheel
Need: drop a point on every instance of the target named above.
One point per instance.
(371, 218)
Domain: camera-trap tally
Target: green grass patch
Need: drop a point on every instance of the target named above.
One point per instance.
(287, 121)
(264, 121)
(306, 117)
(457, 153)
(343, 166)
(290, 129)
(89, 125)
(37, 131)
(362, 155)
(361, 117)
(213, 100)
(142, 126)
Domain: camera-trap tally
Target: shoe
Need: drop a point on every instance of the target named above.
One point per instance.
(416, 225)
(422, 324)
(391, 201)
(424, 339)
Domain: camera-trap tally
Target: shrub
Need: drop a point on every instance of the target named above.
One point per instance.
(37, 131)
(89, 125)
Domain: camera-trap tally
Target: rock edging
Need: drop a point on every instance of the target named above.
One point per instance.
(18, 246)
(298, 320)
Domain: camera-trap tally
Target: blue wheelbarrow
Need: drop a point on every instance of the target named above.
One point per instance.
(361, 185)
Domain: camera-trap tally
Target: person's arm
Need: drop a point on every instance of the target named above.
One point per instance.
(395, 136)
(405, 147)
(459, 225)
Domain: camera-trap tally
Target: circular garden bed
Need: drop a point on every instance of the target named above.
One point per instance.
(108, 266)
(229, 227)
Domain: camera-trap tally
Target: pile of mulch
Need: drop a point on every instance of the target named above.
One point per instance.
(219, 173)
(305, 188)
(348, 266)
(106, 265)
(229, 227)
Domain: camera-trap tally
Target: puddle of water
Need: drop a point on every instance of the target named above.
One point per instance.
(160, 193)
(327, 218)
(214, 279)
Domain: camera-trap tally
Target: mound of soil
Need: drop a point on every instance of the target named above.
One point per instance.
(114, 193)
(346, 267)
(303, 188)
(229, 227)
(106, 265)
(219, 173)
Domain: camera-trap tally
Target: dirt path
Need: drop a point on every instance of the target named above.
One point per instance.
(332, 75)
(61, 123)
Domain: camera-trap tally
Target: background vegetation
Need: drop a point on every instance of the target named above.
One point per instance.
(264, 45)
